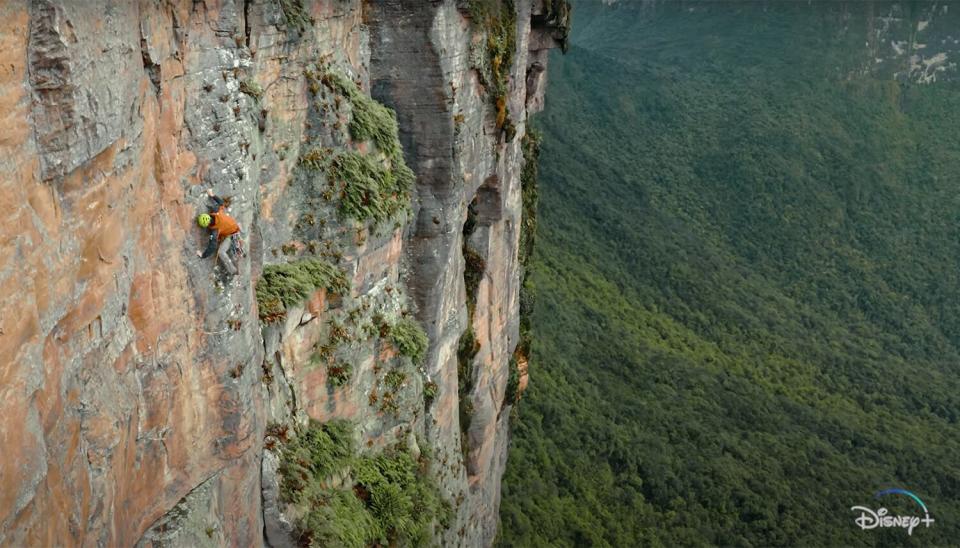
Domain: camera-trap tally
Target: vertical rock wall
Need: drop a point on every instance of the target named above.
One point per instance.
(137, 380)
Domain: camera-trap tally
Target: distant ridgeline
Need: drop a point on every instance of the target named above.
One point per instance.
(746, 279)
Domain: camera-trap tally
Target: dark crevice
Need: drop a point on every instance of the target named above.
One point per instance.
(246, 22)
(150, 67)
(474, 267)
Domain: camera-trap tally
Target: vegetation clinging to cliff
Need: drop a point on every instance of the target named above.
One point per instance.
(284, 285)
(512, 392)
(370, 120)
(410, 339)
(529, 194)
(528, 231)
(558, 14)
(371, 186)
(315, 454)
(295, 15)
(344, 499)
(498, 20)
(368, 189)
(467, 349)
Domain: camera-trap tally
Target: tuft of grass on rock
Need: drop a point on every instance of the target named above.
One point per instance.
(314, 455)
(339, 374)
(473, 269)
(284, 285)
(395, 379)
(498, 20)
(430, 392)
(369, 190)
(252, 89)
(410, 339)
(467, 349)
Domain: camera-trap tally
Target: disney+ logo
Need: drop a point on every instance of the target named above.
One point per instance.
(870, 519)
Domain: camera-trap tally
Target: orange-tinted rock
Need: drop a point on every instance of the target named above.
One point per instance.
(524, 368)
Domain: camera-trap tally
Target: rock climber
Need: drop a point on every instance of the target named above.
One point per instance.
(223, 227)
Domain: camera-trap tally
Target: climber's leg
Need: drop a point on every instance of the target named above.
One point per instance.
(225, 256)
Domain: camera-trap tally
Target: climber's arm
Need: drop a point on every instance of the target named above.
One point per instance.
(216, 199)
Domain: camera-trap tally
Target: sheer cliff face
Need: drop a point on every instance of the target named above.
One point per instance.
(137, 380)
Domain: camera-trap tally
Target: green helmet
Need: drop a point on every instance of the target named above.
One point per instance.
(203, 220)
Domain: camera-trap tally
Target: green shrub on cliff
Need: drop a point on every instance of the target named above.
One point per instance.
(284, 285)
(395, 379)
(339, 374)
(558, 14)
(430, 391)
(467, 348)
(383, 499)
(371, 186)
(410, 339)
(373, 121)
(251, 88)
(369, 190)
(403, 501)
(315, 454)
(473, 269)
(498, 20)
(513, 382)
(295, 15)
(370, 119)
(529, 194)
(336, 518)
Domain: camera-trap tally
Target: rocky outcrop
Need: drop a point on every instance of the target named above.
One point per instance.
(139, 381)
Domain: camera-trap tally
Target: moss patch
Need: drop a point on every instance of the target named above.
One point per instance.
(284, 285)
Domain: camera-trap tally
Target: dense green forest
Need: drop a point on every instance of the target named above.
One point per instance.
(747, 299)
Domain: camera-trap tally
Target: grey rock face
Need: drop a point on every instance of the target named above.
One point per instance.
(425, 68)
(277, 531)
(191, 522)
(77, 115)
